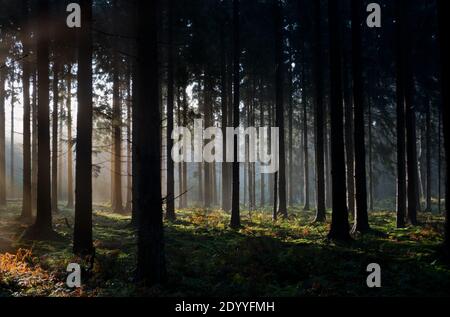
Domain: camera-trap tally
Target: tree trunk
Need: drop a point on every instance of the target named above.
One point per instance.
(151, 267)
(82, 238)
(370, 145)
(279, 116)
(318, 113)
(69, 139)
(42, 228)
(129, 198)
(361, 217)
(55, 137)
(401, 146)
(2, 134)
(26, 71)
(170, 182)
(339, 229)
(11, 143)
(428, 157)
(235, 214)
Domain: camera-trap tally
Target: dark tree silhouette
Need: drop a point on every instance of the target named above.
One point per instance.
(443, 9)
(400, 91)
(42, 228)
(170, 197)
(279, 113)
(361, 217)
(26, 39)
(151, 267)
(318, 113)
(339, 229)
(235, 217)
(82, 238)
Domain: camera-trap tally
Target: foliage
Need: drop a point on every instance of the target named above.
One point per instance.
(286, 258)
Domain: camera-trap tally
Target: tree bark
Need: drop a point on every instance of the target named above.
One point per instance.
(318, 113)
(401, 146)
(339, 229)
(69, 139)
(279, 114)
(55, 136)
(235, 214)
(2, 133)
(151, 266)
(82, 239)
(361, 217)
(170, 182)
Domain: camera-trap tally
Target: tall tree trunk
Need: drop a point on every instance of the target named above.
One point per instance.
(129, 198)
(443, 9)
(42, 228)
(361, 217)
(11, 143)
(428, 157)
(2, 134)
(290, 134)
(235, 214)
(34, 144)
(185, 166)
(55, 137)
(318, 113)
(82, 238)
(262, 192)
(151, 267)
(370, 145)
(282, 205)
(305, 143)
(117, 123)
(339, 229)
(26, 71)
(69, 139)
(224, 110)
(170, 182)
(401, 146)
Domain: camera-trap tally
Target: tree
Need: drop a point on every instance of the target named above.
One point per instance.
(318, 113)
(82, 238)
(339, 229)
(279, 113)
(42, 228)
(55, 135)
(2, 128)
(170, 197)
(69, 138)
(235, 217)
(400, 92)
(26, 204)
(361, 217)
(443, 9)
(151, 266)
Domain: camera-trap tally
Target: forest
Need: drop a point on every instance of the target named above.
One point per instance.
(218, 148)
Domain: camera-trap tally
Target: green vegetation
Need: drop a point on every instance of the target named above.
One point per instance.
(206, 258)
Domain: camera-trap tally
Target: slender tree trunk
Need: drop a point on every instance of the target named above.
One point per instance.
(26, 71)
(185, 166)
(305, 145)
(2, 134)
(117, 122)
(69, 139)
(361, 217)
(339, 229)
(55, 137)
(401, 146)
(34, 145)
(370, 145)
(443, 9)
(262, 192)
(235, 214)
(318, 113)
(151, 266)
(428, 157)
(170, 197)
(224, 109)
(129, 198)
(279, 117)
(11, 143)
(42, 228)
(290, 135)
(82, 238)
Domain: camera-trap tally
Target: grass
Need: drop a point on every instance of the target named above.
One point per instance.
(205, 258)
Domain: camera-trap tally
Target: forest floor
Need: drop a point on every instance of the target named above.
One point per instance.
(206, 258)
